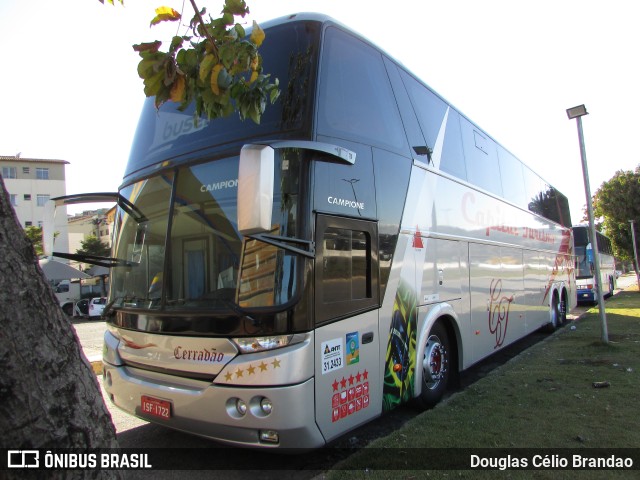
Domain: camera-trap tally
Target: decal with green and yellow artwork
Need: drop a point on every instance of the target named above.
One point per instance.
(400, 360)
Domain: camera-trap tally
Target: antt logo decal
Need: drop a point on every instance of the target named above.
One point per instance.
(498, 312)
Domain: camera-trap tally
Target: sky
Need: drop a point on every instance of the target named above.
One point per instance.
(70, 90)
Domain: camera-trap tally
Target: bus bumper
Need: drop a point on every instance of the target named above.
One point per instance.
(209, 410)
(586, 295)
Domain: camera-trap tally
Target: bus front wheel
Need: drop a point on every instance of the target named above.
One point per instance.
(435, 367)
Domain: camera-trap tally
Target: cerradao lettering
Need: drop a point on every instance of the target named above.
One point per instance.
(201, 355)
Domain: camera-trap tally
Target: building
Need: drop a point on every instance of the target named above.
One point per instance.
(97, 223)
(30, 183)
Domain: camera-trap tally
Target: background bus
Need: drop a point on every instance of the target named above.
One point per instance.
(585, 269)
(277, 285)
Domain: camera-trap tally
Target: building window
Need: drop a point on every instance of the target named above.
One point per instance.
(42, 199)
(28, 224)
(27, 197)
(42, 173)
(25, 169)
(9, 172)
(14, 200)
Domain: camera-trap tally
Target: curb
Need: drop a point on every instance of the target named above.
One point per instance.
(96, 363)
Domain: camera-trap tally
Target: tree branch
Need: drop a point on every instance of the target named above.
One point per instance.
(204, 28)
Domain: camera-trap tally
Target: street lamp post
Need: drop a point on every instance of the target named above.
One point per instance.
(635, 250)
(577, 113)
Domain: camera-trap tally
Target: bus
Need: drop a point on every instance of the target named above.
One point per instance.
(280, 284)
(586, 282)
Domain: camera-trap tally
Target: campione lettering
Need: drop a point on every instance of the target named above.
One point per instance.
(212, 187)
(343, 202)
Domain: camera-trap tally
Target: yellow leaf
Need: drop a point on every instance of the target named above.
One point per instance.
(165, 14)
(254, 63)
(257, 34)
(254, 76)
(205, 66)
(177, 89)
(214, 79)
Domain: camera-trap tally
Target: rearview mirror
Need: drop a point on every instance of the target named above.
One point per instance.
(255, 189)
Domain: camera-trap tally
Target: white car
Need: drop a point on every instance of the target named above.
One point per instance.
(96, 306)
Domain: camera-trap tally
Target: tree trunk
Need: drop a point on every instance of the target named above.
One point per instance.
(49, 395)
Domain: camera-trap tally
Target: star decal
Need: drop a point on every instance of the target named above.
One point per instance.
(366, 375)
(351, 379)
(252, 369)
(343, 382)
(358, 377)
(335, 385)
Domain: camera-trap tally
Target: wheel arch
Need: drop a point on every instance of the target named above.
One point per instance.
(445, 314)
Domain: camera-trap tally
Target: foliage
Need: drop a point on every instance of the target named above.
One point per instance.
(34, 235)
(617, 202)
(93, 246)
(215, 66)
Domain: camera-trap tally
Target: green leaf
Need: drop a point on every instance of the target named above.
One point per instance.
(153, 84)
(236, 7)
(176, 43)
(146, 67)
(148, 47)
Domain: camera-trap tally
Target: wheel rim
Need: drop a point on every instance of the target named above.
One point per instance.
(434, 364)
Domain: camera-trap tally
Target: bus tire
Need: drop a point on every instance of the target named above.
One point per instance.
(556, 316)
(435, 367)
(611, 286)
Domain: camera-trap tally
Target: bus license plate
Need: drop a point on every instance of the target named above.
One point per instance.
(156, 407)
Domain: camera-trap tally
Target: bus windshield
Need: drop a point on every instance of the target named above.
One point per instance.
(584, 262)
(185, 223)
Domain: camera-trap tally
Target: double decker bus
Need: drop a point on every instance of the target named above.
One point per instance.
(587, 283)
(277, 285)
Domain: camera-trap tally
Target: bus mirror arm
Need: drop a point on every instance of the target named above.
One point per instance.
(283, 242)
(106, 262)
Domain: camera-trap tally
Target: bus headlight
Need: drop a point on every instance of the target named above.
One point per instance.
(257, 344)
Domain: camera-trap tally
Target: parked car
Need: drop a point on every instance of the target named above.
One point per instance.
(81, 308)
(96, 306)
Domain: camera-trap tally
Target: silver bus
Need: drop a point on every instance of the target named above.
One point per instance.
(277, 285)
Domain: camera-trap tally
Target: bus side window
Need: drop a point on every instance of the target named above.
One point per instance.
(346, 267)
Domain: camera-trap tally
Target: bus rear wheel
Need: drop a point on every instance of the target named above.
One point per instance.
(557, 315)
(435, 367)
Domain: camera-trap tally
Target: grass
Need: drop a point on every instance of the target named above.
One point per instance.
(543, 399)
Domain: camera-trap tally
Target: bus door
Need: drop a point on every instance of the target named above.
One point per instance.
(347, 354)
